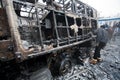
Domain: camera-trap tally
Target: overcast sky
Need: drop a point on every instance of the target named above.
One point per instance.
(105, 7)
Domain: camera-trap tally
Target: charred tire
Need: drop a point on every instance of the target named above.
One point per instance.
(65, 66)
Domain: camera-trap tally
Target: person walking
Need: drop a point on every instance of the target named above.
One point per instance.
(101, 41)
(115, 33)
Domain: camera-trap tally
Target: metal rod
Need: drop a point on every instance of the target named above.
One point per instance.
(58, 48)
(55, 26)
(67, 29)
(39, 26)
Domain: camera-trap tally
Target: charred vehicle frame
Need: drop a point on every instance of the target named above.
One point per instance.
(33, 32)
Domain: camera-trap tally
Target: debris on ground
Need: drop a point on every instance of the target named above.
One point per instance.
(108, 69)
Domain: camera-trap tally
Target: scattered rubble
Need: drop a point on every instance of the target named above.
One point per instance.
(108, 69)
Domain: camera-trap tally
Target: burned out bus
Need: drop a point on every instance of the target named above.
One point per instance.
(49, 32)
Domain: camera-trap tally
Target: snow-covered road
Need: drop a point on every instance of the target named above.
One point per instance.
(108, 69)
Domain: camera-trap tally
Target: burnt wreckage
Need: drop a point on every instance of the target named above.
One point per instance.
(52, 32)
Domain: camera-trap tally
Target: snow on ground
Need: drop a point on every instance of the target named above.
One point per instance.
(108, 69)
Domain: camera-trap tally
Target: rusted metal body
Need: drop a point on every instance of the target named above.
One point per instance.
(32, 29)
(5, 42)
(49, 31)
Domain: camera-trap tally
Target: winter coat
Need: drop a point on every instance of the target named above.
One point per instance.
(102, 35)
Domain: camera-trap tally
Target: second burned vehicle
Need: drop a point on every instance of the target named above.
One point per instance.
(33, 32)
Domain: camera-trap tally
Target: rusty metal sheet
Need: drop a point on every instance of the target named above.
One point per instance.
(5, 53)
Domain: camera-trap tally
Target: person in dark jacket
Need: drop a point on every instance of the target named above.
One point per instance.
(101, 39)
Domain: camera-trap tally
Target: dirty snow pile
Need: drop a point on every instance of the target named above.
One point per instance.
(108, 69)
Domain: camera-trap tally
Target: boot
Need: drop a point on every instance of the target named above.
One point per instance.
(93, 61)
(99, 59)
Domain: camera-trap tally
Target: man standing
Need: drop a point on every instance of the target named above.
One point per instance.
(115, 32)
(101, 39)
